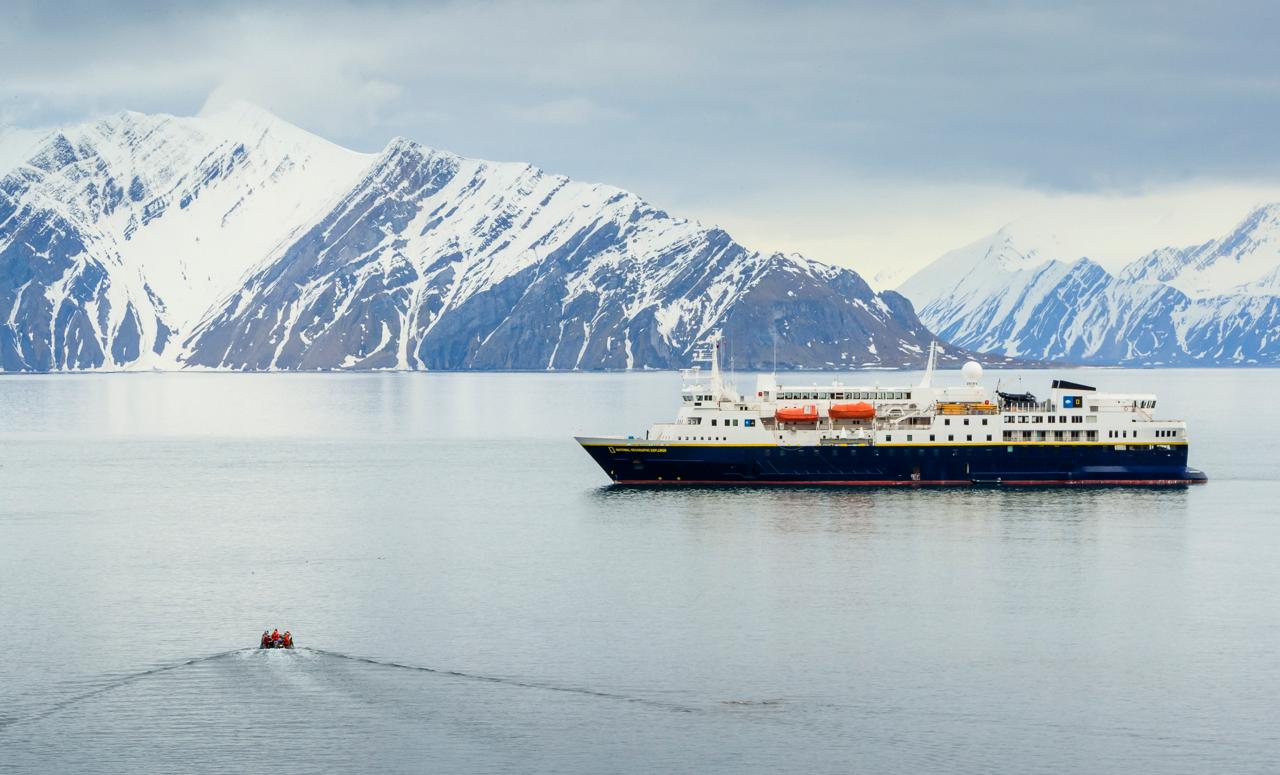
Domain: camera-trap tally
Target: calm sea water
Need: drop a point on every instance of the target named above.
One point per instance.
(470, 597)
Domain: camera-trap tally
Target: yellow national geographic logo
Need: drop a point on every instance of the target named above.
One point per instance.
(658, 450)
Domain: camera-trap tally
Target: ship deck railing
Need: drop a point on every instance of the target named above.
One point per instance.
(835, 441)
(966, 407)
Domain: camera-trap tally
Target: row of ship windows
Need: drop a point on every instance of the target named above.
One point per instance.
(1007, 436)
(1019, 436)
(1160, 434)
(934, 436)
(1037, 418)
(747, 423)
(1044, 435)
(947, 421)
(934, 451)
(868, 395)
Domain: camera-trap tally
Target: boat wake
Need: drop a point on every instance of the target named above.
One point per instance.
(117, 683)
(510, 681)
(279, 658)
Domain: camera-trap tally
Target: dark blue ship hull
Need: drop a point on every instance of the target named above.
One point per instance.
(648, 463)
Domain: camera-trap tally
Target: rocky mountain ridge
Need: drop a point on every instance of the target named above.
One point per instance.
(233, 240)
(1023, 295)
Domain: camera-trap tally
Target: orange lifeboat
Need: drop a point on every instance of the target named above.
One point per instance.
(797, 414)
(859, 411)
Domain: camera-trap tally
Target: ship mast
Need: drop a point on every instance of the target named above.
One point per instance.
(927, 379)
(717, 383)
(708, 351)
(695, 382)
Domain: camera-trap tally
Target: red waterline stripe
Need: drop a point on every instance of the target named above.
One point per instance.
(926, 482)
(866, 482)
(1105, 481)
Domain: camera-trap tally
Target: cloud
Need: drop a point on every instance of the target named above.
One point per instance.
(571, 111)
(713, 108)
(896, 227)
(1071, 97)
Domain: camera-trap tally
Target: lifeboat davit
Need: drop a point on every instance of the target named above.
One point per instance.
(797, 414)
(859, 411)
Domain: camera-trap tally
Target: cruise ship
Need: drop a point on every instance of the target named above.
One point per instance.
(912, 435)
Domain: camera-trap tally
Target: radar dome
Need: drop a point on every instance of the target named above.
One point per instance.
(972, 372)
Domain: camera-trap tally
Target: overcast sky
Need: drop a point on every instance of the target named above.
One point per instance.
(874, 135)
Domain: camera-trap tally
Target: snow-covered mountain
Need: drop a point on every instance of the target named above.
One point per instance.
(1246, 261)
(235, 240)
(1024, 294)
(116, 236)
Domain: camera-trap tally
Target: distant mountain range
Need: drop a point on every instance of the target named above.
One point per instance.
(1023, 294)
(233, 240)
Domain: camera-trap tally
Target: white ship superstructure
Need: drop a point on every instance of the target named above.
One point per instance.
(1076, 434)
(968, 413)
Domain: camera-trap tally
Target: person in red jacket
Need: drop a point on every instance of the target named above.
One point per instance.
(275, 637)
(288, 639)
(266, 640)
